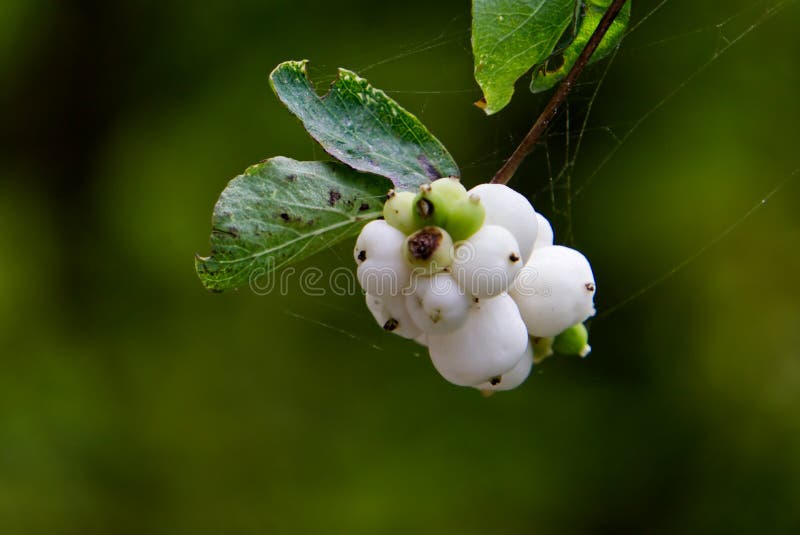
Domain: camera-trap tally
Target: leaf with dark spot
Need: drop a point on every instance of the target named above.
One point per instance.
(364, 128)
(556, 68)
(248, 238)
(509, 37)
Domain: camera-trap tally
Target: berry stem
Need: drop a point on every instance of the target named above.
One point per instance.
(525, 147)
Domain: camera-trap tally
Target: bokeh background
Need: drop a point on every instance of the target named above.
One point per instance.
(133, 401)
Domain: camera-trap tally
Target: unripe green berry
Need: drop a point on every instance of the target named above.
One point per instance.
(398, 211)
(449, 188)
(573, 341)
(430, 248)
(433, 203)
(465, 218)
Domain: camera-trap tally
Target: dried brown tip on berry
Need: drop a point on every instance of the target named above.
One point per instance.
(362, 255)
(494, 381)
(514, 257)
(589, 286)
(424, 243)
(391, 324)
(391, 194)
(425, 188)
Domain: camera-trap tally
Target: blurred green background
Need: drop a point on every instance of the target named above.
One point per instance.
(133, 401)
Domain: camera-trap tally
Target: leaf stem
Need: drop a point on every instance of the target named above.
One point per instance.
(527, 144)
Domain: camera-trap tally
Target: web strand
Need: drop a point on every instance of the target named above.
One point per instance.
(702, 250)
(769, 13)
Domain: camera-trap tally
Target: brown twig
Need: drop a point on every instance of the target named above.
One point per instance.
(505, 173)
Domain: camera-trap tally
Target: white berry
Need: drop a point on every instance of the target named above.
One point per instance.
(437, 304)
(514, 377)
(486, 264)
(382, 269)
(488, 345)
(391, 314)
(544, 235)
(509, 209)
(554, 291)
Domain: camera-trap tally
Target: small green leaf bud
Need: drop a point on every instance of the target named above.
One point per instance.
(542, 348)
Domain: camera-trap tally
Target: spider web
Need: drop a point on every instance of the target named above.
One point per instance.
(563, 184)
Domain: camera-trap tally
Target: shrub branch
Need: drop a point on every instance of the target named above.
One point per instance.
(511, 165)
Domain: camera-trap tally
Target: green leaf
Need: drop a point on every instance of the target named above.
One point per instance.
(281, 211)
(362, 127)
(557, 67)
(511, 36)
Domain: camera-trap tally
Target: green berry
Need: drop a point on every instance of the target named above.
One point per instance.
(573, 341)
(434, 201)
(430, 248)
(398, 211)
(465, 218)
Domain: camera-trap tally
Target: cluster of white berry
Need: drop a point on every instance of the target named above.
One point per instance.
(474, 276)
